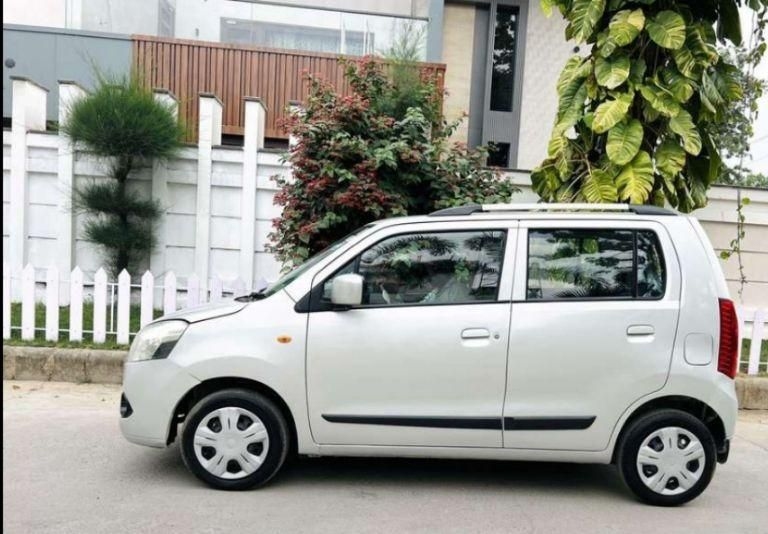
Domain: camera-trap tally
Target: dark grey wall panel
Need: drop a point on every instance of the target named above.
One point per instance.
(47, 55)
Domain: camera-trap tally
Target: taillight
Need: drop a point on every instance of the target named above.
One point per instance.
(728, 354)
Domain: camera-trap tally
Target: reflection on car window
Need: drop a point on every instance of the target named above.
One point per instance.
(650, 266)
(430, 268)
(581, 263)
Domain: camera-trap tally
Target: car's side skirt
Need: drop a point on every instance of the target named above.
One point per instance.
(478, 423)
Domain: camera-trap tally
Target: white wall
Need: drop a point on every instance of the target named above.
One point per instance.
(546, 52)
(225, 197)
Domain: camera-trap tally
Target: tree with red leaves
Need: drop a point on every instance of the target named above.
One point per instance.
(378, 152)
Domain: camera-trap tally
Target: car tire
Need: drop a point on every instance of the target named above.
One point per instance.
(667, 457)
(235, 439)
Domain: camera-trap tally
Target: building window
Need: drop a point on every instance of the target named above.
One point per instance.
(495, 94)
(274, 35)
(504, 49)
(498, 155)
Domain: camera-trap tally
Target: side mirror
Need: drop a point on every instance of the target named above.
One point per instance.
(347, 290)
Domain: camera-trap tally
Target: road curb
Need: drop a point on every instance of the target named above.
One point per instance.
(63, 365)
(752, 392)
(106, 367)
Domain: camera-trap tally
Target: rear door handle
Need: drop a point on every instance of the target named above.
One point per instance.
(640, 330)
(475, 333)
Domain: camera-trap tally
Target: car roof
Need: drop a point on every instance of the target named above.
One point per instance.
(476, 212)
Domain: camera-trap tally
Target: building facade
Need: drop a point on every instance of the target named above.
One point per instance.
(501, 57)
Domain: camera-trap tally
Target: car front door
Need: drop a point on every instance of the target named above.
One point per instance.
(422, 360)
(594, 318)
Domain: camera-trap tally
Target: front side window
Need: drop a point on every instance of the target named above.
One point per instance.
(591, 264)
(461, 267)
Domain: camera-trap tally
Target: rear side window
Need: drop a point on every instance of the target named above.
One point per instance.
(582, 264)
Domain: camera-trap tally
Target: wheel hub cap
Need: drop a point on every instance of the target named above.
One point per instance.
(670, 460)
(231, 442)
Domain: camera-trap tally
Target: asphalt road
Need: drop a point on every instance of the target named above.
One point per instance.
(66, 468)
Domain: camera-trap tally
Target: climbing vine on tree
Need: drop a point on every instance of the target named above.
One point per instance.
(635, 114)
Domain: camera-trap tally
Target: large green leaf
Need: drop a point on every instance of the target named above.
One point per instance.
(575, 67)
(660, 100)
(571, 106)
(546, 7)
(559, 151)
(710, 96)
(677, 84)
(625, 26)
(610, 113)
(670, 158)
(635, 180)
(637, 71)
(698, 52)
(726, 78)
(682, 124)
(572, 92)
(598, 186)
(624, 141)
(613, 71)
(667, 29)
(585, 15)
(545, 180)
(728, 24)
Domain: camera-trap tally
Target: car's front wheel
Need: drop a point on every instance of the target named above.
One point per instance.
(235, 439)
(667, 457)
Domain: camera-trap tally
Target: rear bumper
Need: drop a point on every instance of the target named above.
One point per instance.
(151, 391)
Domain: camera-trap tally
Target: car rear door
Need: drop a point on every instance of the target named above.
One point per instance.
(594, 317)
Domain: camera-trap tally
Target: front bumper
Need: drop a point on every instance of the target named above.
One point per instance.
(152, 389)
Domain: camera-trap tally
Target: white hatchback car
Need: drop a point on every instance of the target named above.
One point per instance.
(567, 333)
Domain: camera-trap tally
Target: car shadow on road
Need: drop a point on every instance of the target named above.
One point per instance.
(461, 474)
(415, 473)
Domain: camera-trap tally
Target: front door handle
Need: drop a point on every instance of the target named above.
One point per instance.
(640, 330)
(475, 333)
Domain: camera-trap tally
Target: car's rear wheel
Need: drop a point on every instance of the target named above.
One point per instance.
(235, 439)
(667, 457)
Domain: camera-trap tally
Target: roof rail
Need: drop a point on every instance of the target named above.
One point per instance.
(470, 209)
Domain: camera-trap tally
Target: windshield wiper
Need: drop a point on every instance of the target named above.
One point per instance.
(254, 295)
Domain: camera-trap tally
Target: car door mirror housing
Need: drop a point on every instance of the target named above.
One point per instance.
(347, 290)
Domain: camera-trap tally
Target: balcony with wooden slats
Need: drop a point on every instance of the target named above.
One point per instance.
(231, 72)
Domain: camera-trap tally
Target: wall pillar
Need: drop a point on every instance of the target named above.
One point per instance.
(209, 135)
(255, 117)
(69, 93)
(27, 113)
(160, 193)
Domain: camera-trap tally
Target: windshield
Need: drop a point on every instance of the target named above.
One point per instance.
(301, 269)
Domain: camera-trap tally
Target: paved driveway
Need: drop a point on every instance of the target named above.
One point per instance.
(66, 468)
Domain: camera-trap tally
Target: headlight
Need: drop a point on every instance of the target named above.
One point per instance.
(155, 341)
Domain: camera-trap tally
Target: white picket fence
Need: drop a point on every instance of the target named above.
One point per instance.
(112, 305)
(753, 328)
(111, 301)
